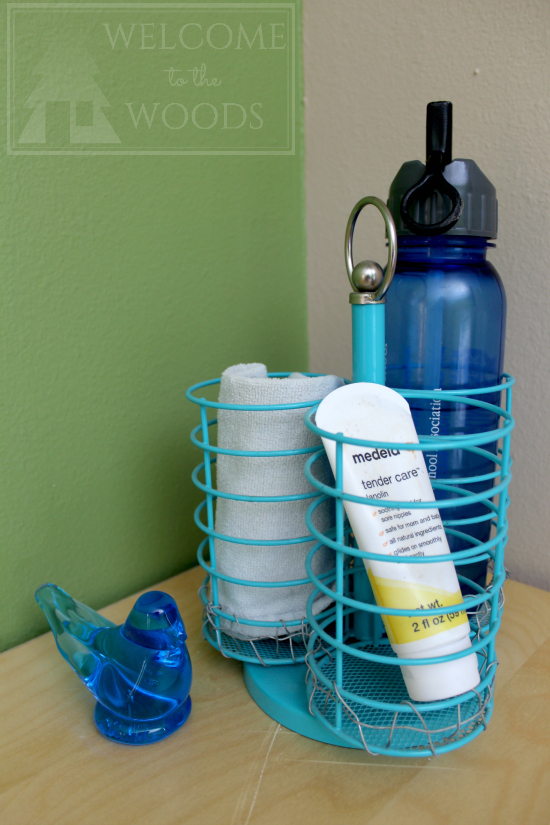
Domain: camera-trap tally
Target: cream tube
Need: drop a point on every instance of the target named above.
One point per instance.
(372, 412)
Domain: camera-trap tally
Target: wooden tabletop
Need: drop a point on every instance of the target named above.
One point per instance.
(231, 764)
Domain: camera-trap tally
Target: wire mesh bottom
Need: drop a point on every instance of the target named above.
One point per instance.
(412, 731)
(270, 651)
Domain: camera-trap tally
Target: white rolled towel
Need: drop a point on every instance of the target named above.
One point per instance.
(267, 476)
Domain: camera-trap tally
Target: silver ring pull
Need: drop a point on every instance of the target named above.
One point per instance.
(367, 278)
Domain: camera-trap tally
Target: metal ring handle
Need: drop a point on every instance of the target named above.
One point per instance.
(392, 243)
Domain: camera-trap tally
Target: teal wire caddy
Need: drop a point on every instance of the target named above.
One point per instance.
(355, 688)
(334, 677)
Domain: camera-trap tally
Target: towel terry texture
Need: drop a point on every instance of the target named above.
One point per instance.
(267, 476)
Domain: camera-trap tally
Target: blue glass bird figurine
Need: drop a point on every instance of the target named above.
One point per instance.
(139, 672)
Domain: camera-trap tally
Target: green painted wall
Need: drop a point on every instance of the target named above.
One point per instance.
(124, 279)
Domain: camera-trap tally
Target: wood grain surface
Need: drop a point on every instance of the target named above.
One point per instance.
(230, 764)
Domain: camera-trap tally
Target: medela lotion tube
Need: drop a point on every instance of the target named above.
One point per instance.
(372, 412)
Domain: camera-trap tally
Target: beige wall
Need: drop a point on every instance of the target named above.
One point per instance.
(371, 66)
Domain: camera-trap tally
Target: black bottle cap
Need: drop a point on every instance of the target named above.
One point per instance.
(433, 191)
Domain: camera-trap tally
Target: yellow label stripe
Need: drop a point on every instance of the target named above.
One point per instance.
(415, 596)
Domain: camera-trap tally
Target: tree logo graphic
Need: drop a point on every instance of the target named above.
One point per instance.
(67, 78)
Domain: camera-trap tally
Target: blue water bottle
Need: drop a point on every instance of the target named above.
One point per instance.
(446, 310)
